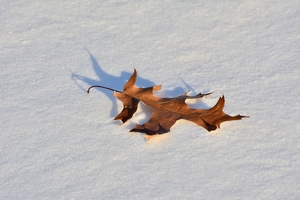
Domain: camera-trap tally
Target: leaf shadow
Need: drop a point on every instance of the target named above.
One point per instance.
(195, 103)
(177, 91)
(108, 80)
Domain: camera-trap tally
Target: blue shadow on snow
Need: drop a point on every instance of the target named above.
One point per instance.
(107, 80)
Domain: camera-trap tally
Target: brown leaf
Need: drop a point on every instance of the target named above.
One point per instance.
(166, 111)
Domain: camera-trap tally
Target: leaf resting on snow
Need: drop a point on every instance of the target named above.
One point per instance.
(166, 111)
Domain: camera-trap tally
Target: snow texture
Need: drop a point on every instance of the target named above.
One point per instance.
(57, 142)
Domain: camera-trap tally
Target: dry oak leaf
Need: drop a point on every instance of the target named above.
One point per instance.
(166, 111)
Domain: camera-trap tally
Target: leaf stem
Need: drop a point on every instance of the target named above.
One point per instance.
(99, 86)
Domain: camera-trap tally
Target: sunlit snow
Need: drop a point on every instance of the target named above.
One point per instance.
(58, 142)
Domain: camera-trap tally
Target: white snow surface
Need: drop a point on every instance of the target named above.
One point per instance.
(58, 142)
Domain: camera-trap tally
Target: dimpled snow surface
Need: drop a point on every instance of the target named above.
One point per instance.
(58, 142)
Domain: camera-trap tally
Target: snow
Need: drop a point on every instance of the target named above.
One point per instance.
(57, 142)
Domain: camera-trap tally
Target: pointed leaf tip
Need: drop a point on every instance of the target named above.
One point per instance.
(131, 81)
